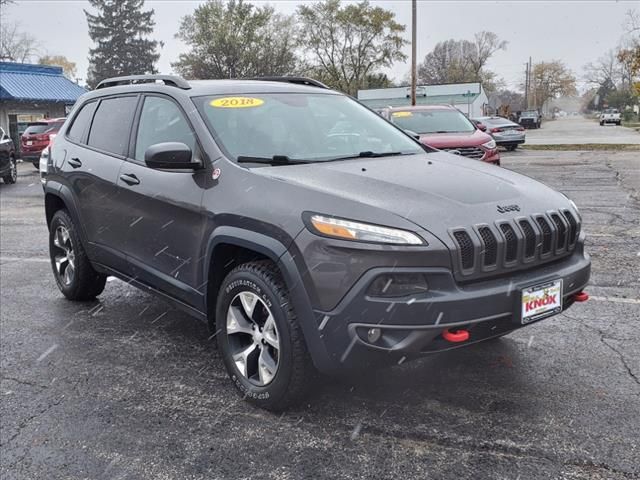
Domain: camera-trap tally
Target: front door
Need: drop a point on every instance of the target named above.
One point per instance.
(162, 208)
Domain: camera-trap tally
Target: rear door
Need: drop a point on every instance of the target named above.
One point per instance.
(162, 208)
(98, 142)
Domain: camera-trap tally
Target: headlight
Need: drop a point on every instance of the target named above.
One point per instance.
(491, 144)
(364, 232)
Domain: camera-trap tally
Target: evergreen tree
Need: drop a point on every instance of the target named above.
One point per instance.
(119, 31)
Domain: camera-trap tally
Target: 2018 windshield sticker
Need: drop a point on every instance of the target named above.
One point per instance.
(401, 114)
(236, 102)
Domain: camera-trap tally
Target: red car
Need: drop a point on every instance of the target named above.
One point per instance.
(37, 137)
(446, 128)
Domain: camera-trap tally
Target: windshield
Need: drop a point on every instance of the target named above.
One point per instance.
(496, 121)
(39, 128)
(306, 127)
(530, 113)
(432, 121)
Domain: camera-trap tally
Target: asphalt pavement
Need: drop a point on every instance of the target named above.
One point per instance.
(126, 387)
(580, 130)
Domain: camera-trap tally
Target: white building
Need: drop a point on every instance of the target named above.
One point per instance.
(469, 98)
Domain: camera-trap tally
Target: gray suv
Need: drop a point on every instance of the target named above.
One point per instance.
(309, 232)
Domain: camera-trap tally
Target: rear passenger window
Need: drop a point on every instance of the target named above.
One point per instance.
(81, 122)
(162, 121)
(112, 124)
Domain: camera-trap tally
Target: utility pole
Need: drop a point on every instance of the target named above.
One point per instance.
(530, 86)
(526, 87)
(413, 52)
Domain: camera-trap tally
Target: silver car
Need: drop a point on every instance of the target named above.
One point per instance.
(506, 133)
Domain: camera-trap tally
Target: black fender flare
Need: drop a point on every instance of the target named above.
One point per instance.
(280, 255)
(63, 192)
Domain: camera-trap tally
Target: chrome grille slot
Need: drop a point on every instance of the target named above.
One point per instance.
(529, 238)
(547, 236)
(469, 152)
(511, 252)
(561, 231)
(490, 246)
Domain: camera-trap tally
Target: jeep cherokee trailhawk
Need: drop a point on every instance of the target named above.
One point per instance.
(310, 233)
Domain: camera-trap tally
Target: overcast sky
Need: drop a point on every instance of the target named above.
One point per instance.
(575, 32)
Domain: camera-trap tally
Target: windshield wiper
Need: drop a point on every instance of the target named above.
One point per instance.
(370, 154)
(275, 160)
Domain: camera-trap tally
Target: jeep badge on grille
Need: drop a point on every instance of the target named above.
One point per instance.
(508, 208)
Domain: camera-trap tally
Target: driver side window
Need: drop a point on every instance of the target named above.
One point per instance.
(162, 121)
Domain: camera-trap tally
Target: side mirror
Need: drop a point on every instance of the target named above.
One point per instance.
(170, 155)
(413, 134)
(481, 126)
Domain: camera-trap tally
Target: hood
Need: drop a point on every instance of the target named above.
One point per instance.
(455, 140)
(436, 191)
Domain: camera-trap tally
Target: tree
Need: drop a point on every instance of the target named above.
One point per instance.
(15, 45)
(119, 31)
(606, 71)
(461, 61)
(346, 44)
(236, 40)
(551, 80)
(68, 67)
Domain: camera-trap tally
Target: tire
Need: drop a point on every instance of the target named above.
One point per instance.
(249, 296)
(602, 124)
(12, 177)
(75, 277)
(512, 148)
(36, 164)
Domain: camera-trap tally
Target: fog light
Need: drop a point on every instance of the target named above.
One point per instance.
(398, 285)
(373, 335)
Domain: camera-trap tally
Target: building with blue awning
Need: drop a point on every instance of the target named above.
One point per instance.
(29, 93)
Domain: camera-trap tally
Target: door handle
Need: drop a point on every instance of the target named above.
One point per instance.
(129, 179)
(75, 162)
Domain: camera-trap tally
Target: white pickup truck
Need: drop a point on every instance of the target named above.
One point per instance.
(610, 115)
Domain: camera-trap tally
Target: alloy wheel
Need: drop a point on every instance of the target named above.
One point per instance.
(253, 337)
(64, 258)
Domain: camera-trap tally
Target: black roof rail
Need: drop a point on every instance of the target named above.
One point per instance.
(169, 80)
(298, 80)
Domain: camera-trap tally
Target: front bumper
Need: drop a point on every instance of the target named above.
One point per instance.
(413, 327)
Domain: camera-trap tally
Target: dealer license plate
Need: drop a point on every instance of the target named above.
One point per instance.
(540, 301)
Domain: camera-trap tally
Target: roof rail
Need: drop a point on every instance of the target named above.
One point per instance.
(298, 80)
(169, 80)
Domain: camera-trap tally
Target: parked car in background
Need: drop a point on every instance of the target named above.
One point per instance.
(37, 137)
(8, 168)
(506, 133)
(446, 128)
(530, 119)
(610, 115)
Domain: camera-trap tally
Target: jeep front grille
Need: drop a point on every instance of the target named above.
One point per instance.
(511, 244)
(470, 152)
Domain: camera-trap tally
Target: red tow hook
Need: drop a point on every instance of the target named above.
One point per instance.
(581, 297)
(456, 336)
